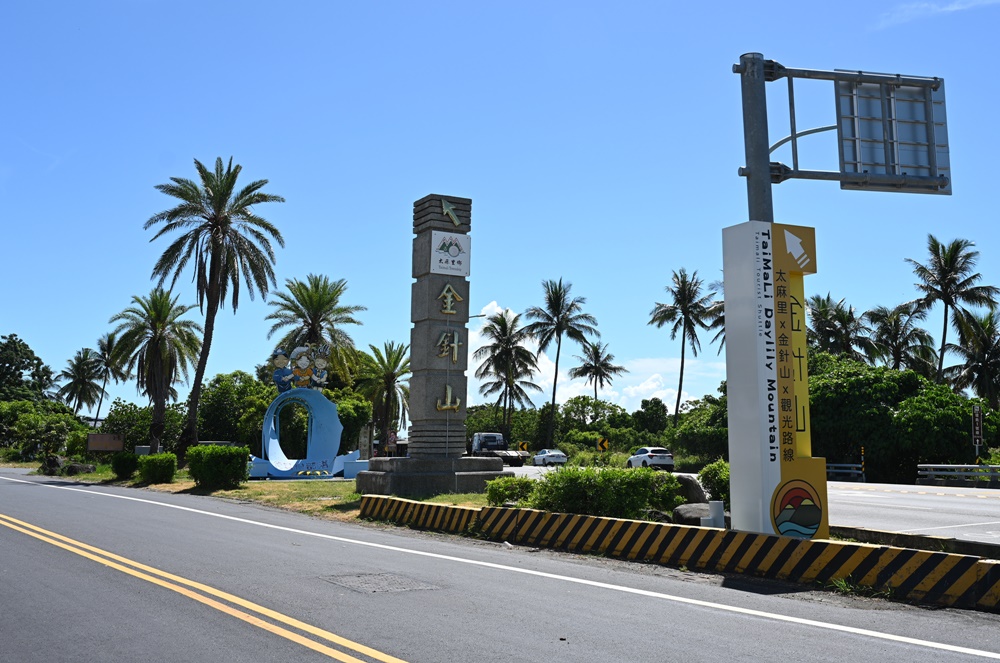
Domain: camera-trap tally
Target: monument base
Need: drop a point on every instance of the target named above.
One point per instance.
(423, 477)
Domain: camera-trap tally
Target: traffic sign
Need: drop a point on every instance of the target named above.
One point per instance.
(522, 446)
(977, 426)
(602, 444)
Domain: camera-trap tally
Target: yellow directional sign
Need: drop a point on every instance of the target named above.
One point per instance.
(522, 446)
(602, 444)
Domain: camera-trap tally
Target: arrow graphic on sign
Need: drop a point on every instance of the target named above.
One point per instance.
(449, 211)
(794, 246)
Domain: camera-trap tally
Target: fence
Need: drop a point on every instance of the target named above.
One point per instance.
(981, 476)
(845, 472)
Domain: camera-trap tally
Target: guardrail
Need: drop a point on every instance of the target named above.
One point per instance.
(845, 472)
(984, 476)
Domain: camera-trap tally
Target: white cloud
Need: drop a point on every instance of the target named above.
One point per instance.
(915, 11)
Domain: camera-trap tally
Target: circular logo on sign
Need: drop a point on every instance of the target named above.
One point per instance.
(796, 510)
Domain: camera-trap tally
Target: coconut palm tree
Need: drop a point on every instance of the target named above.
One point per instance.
(837, 328)
(82, 374)
(312, 313)
(717, 314)
(506, 359)
(229, 245)
(687, 311)
(897, 341)
(948, 278)
(159, 346)
(979, 350)
(597, 366)
(111, 365)
(382, 380)
(561, 315)
(45, 382)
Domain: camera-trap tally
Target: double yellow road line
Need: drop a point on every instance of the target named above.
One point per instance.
(226, 603)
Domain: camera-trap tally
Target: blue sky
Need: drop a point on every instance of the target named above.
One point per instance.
(599, 142)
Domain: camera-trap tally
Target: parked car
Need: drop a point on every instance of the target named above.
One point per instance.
(655, 457)
(549, 457)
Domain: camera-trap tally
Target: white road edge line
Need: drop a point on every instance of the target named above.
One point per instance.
(579, 581)
(894, 506)
(928, 529)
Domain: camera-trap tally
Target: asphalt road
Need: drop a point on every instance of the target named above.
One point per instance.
(960, 513)
(112, 574)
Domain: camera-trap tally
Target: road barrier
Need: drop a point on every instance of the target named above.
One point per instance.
(980, 476)
(845, 472)
(937, 578)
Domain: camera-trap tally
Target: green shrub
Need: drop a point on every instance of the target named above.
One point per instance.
(133, 422)
(214, 466)
(509, 489)
(76, 443)
(157, 468)
(124, 464)
(715, 479)
(666, 495)
(611, 491)
(588, 458)
(10, 455)
(41, 433)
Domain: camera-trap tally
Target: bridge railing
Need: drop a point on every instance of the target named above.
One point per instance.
(845, 472)
(984, 476)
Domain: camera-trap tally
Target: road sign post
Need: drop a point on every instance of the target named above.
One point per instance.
(977, 427)
(892, 137)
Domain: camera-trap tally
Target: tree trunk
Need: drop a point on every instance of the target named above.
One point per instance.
(552, 411)
(158, 424)
(189, 436)
(944, 338)
(680, 382)
(100, 400)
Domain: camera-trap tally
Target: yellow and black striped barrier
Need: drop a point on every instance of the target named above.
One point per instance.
(419, 515)
(918, 575)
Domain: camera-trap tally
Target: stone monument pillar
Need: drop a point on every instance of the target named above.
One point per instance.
(439, 311)
(439, 359)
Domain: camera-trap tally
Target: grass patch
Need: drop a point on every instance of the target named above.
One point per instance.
(848, 587)
(476, 500)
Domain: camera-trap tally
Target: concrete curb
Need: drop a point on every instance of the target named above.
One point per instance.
(938, 578)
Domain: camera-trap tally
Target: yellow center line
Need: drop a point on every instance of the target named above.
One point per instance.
(105, 558)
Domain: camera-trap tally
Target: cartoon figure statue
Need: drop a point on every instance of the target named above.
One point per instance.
(320, 362)
(302, 371)
(282, 374)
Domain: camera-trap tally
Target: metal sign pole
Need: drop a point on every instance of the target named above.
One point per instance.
(758, 160)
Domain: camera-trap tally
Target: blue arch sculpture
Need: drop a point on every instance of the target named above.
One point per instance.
(322, 442)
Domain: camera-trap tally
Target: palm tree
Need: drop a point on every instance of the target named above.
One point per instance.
(561, 314)
(597, 366)
(898, 341)
(717, 314)
(382, 379)
(687, 311)
(979, 349)
(836, 328)
(111, 365)
(82, 373)
(45, 382)
(159, 346)
(229, 244)
(506, 359)
(315, 315)
(948, 278)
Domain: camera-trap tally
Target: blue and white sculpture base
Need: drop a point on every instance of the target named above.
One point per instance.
(322, 442)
